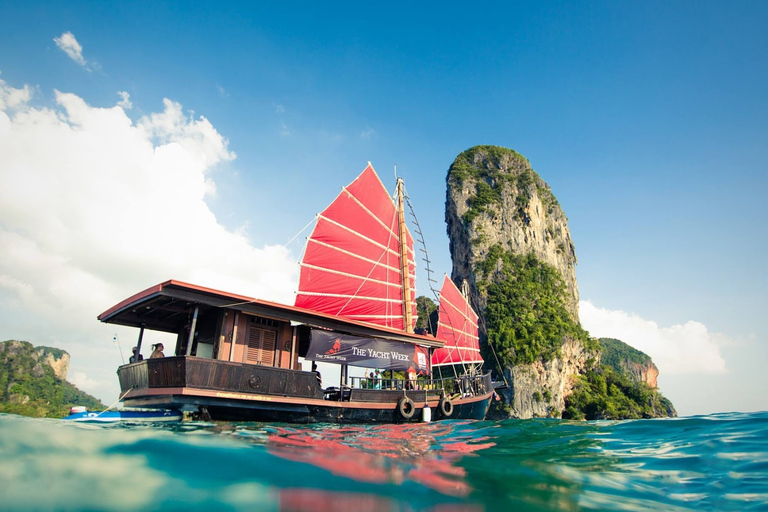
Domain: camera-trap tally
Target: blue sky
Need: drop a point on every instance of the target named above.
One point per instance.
(648, 120)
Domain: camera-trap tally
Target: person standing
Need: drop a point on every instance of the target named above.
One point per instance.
(317, 372)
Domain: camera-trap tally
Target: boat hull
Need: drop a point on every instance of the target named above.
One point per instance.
(126, 416)
(238, 392)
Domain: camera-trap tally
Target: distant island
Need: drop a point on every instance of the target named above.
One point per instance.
(33, 382)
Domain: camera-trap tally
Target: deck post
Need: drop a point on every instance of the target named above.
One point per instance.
(233, 338)
(192, 328)
(138, 343)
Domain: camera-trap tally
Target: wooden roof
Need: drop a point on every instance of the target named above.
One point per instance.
(166, 306)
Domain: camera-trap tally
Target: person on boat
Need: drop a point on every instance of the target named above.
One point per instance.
(136, 356)
(411, 378)
(158, 352)
(377, 382)
(317, 372)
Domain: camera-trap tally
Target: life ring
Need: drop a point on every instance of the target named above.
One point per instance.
(406, 408)
(446, 407)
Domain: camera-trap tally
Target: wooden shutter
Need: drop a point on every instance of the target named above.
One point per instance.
(261, 346)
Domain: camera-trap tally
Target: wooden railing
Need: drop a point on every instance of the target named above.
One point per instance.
(194, 372)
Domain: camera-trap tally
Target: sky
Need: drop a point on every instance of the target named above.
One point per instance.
(141, 142)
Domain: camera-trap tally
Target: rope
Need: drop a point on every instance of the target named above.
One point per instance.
(300, 232)
(498, 363)
(114, 404)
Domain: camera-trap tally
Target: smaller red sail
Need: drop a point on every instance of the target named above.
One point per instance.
(457, 326)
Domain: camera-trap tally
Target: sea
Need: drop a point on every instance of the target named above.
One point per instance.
(716, 462)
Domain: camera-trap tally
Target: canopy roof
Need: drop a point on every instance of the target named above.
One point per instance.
(164, 307)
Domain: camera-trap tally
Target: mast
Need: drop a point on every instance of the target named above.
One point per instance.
(406, 281)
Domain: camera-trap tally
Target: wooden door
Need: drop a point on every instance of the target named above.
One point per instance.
(261, 346)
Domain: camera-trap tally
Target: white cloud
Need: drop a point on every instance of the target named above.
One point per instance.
(95, 207)
(82, 381)
(367, 133)
(125, 100)
(222, 91)
(677, 350)
(284, 131)
(74, 50)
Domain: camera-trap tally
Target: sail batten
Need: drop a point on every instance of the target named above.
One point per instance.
(353, 263)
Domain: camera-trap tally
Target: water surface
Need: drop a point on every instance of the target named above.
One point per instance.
(717, 462)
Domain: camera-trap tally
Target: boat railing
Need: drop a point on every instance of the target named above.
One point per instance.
(451, 386)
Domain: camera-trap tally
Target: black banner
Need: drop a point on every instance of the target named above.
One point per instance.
(331, 347)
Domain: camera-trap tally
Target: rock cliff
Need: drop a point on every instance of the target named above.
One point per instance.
(495, 198)
(626, 359)
(57, 359)
(33, 381)
(510, 240)
(539, 389)
(497, 205)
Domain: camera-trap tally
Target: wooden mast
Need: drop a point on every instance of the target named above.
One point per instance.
(406, 280)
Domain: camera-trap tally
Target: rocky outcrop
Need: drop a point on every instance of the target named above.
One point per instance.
(33, 381)
(495, 201)
(539, 390)
(635, 364)
(647, 373)
(509, 240)
(59, 364)
(494, 197)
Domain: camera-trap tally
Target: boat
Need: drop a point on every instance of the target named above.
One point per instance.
(238, 358)
(81, 414)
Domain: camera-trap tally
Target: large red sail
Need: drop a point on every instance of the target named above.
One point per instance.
(457, 326)
(351, 266)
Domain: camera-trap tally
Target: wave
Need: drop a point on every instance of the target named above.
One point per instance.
(716, 462)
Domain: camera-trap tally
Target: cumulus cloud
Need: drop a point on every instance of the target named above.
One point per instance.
(685, 349)
(82, 381)
(95, 207)
(125, 100)
(69, 45)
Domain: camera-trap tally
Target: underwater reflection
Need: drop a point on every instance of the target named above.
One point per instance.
(386, 454)
(318, 500)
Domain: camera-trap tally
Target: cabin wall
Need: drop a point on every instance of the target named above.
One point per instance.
(251, 344)
(283, 347)
(226, 335)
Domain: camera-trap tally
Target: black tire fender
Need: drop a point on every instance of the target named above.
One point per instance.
(446, 407)
(406, 408)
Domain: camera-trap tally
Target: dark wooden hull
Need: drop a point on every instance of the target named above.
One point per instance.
(243, 392)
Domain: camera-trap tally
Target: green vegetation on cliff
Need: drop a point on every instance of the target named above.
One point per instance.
(427, 311)
(617, 354)
(527, 321)
(29, 386)
(490, 168)
(606, 394)
(526, 314)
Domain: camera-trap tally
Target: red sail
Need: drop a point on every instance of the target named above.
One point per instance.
(457, 326)
(351, 266)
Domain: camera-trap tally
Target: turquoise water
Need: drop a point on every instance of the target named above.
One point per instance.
(717, 462)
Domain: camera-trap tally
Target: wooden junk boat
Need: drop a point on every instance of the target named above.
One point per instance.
(237, 358)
